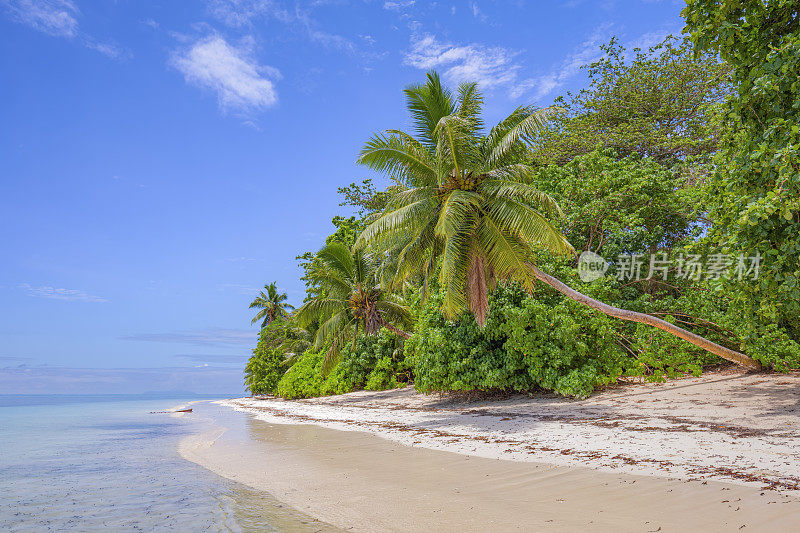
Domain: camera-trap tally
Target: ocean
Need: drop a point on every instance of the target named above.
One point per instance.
(94, 463)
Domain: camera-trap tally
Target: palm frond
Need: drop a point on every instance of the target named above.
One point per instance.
(505, 254)
(455, 261)
(261, 314)
(394, 311)
(520, 125)
(339, 333)
(451, 132)
(428, 103)
(403, 219)
(400, 156)
(529, 225)
(415, 253)
(337, 257)
(455, 212)
(470, 104)
(521, 192)
(329, 328)
(318, 309)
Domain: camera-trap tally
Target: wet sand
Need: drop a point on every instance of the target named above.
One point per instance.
(361, 482)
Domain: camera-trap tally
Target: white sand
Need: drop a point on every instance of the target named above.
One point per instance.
(727, 442)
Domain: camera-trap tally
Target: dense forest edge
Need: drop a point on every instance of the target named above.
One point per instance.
(675, 171)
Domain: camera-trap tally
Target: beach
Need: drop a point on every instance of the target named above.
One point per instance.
(716, 453)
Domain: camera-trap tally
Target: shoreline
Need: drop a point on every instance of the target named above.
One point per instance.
(718, 452)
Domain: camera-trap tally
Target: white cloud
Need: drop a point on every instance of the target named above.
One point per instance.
(240, 82)
(53, 293)
(57, 18)
(398, 5)
(497, 67)
(237, 13)
(107, 49)
(324, 38)
(587, 52)
(476, 11)
(488, 66)
(53, 17)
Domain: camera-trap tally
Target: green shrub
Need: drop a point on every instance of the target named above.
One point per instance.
(375, 362)
(567, 348)
(265, 367)
(304, 379)
(386, 372)
(544, 341)
(371, 362)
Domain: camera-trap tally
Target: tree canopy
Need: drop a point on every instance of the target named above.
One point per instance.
(662, 103)
(757, 186)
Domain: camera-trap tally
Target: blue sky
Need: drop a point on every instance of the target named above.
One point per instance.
(161, 161)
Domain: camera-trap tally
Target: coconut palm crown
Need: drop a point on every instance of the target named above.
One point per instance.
(271, 305)
(351, 300)
(462, 196)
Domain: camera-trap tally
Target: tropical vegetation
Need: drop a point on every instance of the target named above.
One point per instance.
(272, 305)
(686, 150)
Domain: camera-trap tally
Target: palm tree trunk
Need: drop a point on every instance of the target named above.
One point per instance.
(633, 316)
(390, 327)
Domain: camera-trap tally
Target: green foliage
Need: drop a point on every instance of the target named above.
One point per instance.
(629, 205)
(364, 196)
(286, 336)
(304, 379)
(634, 205)
(757, 188)
(346, 232)
(371, 362)
(375, 362)
(353, 300)
(266, 366)
(567, 348)
(527, 344)
(661, 103)
(546, 341)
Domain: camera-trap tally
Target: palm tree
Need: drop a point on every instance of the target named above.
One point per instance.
(352, 300)
(463, 198)
(271, 305)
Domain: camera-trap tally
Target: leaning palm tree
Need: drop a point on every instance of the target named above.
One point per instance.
(352, 300)
(463, 198)
(271, 305)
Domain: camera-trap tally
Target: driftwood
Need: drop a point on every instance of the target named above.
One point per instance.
(175, 411)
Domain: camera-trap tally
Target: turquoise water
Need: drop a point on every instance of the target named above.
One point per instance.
(88, 463)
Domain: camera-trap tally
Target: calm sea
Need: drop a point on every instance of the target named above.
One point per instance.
(88, 463)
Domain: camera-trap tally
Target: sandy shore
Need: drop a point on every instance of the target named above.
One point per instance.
(717, 453)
